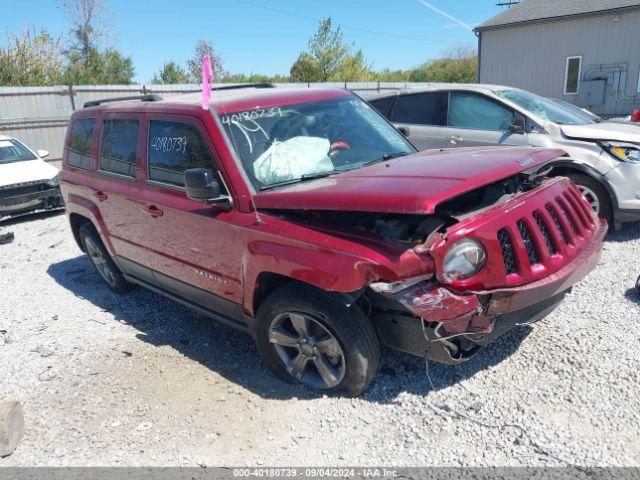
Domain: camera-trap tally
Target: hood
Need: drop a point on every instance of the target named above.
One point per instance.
(26, 171)
(414, 184)
(621, 132)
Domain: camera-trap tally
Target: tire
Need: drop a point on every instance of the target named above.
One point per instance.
(594, 192)
(101, 260)
(341, 352)
(638, 285)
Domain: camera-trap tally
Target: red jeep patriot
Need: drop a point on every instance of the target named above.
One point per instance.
(306, 219)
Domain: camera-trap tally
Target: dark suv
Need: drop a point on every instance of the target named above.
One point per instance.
(306, 219)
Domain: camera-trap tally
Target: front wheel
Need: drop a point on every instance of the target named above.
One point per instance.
(595, 194)
(305, 336)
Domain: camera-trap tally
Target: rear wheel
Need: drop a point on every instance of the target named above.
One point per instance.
(101, 260)
(308, 337)
(595, 194)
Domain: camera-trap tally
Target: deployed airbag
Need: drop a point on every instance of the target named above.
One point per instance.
(292, 159)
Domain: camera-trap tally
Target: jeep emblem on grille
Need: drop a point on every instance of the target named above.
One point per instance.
(525, 162)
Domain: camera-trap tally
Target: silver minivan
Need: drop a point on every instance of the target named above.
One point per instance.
(602, 157)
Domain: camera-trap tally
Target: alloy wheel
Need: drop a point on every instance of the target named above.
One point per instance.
(99, 261)
(310, 352)
(591, 197)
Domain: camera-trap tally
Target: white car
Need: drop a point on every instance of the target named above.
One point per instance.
(27, 183)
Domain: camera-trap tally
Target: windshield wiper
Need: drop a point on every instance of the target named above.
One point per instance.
(306, 176)
(385, 157)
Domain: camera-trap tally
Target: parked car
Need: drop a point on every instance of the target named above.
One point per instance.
(635, 116)
(602, 157)
(303, 217)
(27, 183)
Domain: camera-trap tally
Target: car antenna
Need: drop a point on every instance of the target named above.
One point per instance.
(207, 77)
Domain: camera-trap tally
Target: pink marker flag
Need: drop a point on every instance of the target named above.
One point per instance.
(207, 80)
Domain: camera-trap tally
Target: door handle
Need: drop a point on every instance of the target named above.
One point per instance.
(152, 210)
(456, 139)
(100, 196)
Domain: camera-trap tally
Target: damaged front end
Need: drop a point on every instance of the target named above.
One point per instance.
(538, 242)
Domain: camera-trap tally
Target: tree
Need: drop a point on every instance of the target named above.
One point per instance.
(458, 65)
(194, 64)
(328, 58)
(31, 59)
(86, 63)
(170, 73)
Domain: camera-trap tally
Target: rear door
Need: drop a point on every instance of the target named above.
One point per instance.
(475, 119)
(116, 189)
(424, 115)
(193, 247)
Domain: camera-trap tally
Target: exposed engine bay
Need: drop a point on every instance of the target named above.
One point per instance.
(415, 229)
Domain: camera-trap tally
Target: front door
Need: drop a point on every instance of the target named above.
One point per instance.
(194, 248)
(477, 120)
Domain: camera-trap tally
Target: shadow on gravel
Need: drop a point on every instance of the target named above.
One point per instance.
(233, 354)
(401, 372)
(628, 231)
(632, 295)
(7, 222)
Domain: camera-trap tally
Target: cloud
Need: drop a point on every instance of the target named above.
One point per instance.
(455, 20)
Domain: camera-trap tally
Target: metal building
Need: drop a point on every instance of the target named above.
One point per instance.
(586, 52)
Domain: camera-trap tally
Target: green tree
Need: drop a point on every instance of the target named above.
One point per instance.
(194, 64)
(86, 63)
(329, 58)
(31, 59)
(458, 65)
(170, 73)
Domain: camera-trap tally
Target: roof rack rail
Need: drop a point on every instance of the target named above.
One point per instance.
(142, 98)
(245, 85)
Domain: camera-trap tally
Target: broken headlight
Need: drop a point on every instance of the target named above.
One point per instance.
(463, 260)
(625, 152)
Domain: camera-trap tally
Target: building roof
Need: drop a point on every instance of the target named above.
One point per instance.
(548, 10)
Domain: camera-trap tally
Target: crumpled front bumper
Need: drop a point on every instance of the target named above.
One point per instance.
(478, 315)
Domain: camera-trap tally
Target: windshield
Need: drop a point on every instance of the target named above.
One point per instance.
(545, 108)
(291, 143)
(13, 151)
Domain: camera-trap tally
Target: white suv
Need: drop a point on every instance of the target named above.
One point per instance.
(27, 183)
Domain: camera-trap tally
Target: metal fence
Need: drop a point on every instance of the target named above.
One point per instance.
(38, 116)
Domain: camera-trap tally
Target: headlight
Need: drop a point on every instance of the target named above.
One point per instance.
(55, 181)
(625, 152)
(464, 259)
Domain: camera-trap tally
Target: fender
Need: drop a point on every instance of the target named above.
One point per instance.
(586, 169)
(88, 209)
(332, 271)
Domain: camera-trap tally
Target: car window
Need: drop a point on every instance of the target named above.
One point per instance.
(383, 105)
(13, 151)
(80, 142)
(119, 146)
(422, 109)
(173, 148)
(470, 110)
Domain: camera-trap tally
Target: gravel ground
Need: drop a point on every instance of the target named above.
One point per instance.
(139, 380)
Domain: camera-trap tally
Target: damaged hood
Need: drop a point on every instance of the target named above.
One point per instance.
(414, 184)
(621, 132)
(26, 171)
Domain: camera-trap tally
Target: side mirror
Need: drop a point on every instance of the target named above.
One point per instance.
(404, 131)
(201, 184)
(516, 129)
(42, 153)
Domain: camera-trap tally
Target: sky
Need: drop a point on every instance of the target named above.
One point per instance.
(266, 36)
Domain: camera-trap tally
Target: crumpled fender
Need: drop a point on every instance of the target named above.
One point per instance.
(324, 268)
